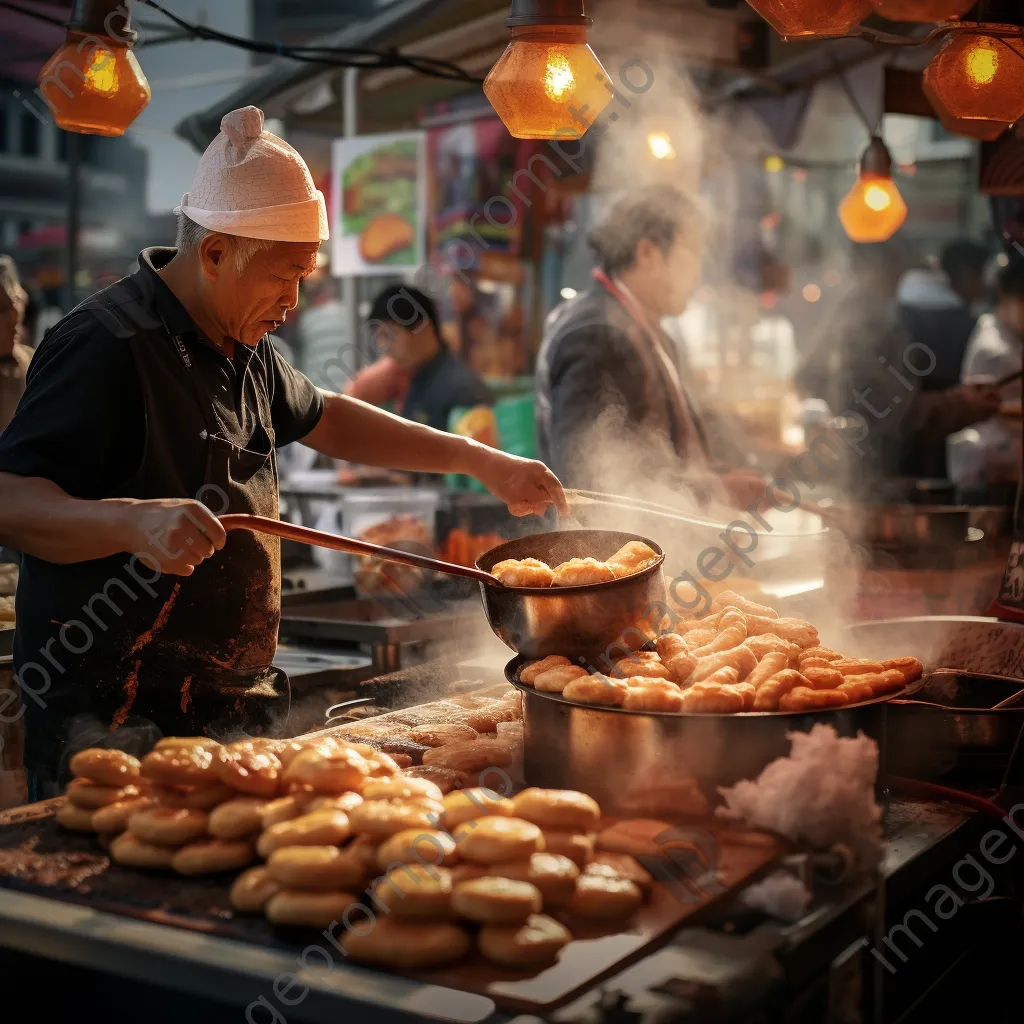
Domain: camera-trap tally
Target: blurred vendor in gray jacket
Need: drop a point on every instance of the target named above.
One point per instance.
(613, 398)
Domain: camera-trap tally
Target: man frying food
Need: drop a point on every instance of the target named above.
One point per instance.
(150, 410)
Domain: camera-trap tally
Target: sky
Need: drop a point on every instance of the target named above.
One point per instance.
(185, 77)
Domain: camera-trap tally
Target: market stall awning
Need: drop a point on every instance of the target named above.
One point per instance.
(285, 79)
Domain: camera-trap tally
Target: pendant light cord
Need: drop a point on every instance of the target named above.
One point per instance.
(851, 96)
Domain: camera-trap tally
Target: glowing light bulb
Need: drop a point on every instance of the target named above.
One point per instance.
(982, 63)
(877, 198)
(773, 164)
(558, 77)
(811, 293)
(977, 78)
(91, 87)
(548, 83)
(101, 74)
(812, 17)
(660, 146)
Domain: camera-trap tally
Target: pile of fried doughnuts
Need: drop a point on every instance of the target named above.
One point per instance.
(741, 656)
(630, 559)
(330, 831)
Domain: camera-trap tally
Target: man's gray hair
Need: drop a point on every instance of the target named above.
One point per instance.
(190, 234)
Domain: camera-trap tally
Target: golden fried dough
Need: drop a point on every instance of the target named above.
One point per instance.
(575, 846)
(770, 692)
(251, 890)
(106, 767)
(557, 808)
(768, 666)
(478, 802)
(658, 695)
(407, 945)
(380, 819)
(212, 856)
(415, 890)
(488, 840)
(74, 818)
(317, 828)
(167, 826)
(417, 845)
(130, 852)
(800, 698)
(400, 788)
(492, 900)
(633, 557)
(554, 680)
(581, 571)
(741, 658)
(93, 795)
(308, 909)
(538, 940)
(604, 898)
(236, 819)
(322, 868)
(529, 672)
(523, 572)
(596, 689)
(473, 756)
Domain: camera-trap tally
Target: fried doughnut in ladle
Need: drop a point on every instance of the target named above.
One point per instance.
(523, 572)
(581, 571)
(631, 558)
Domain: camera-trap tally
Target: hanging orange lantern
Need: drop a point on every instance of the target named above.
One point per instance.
(548, 83)
(93, 84)
(824, 18)
(873, 210)
(977, 78)
(982, 131)
(922, 10)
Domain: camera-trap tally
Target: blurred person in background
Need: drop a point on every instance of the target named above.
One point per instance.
(872, 371)
(15, 352)
(940, 307)
(987, 470)
(612, 387)
(418, 372)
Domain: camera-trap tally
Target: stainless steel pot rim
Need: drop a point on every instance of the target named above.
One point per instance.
(512, 675)
(584, 588)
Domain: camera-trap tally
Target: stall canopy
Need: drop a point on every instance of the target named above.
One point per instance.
(287, 81)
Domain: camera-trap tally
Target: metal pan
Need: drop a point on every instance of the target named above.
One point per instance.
(533, 621)
(574, 621)
(617, 755)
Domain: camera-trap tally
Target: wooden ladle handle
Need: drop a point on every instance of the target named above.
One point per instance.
(322, 539)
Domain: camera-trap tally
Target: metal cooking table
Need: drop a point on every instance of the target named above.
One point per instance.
(741, 966)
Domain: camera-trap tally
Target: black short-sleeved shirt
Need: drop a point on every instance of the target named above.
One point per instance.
(81, 422)
(441, 385)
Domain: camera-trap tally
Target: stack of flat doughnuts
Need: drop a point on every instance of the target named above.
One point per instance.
(333, 834)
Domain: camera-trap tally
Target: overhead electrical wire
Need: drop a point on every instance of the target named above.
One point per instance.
(363, 58)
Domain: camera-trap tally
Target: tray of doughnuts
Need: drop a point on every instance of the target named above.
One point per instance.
(741, 657)
(527, 897)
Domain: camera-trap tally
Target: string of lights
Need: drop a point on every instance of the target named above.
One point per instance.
(359, 57)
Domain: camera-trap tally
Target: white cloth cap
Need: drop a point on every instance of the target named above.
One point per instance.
(253, 184)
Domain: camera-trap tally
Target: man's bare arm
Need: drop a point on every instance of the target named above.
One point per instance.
(39, 518)
(352, 430)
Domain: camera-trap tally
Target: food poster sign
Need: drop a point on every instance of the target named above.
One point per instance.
(379, 201)
(475, 200)
(480, 194)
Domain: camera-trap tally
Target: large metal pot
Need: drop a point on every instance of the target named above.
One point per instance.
(574, 621)
(618, 755)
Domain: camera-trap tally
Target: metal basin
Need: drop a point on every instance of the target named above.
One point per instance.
(615, 755)
(579, 622)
